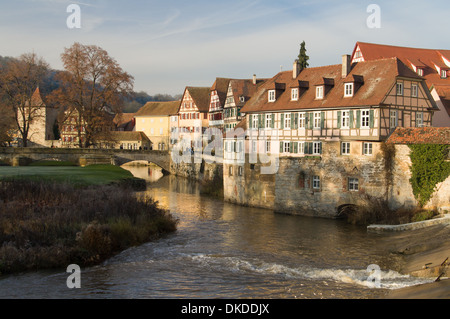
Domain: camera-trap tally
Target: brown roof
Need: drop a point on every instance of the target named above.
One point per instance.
(129, 136)
(444, 93)
(221, 86)
(422, 58)
(124, 121)
(159, 109)
(377, 78)
(420, 135)
(244, 88)
(238, 131)
(201, 97)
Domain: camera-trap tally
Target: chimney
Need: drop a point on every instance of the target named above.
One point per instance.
(295, 69)
(346, 65)
(254, 79)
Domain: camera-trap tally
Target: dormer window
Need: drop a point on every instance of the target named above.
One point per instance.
(271, 95)
(294, 94)
(319, 92)
(443, 74)
(348, 90)
(242, 99)
(420, 72)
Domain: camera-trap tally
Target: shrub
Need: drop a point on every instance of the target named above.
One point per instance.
(45, 225)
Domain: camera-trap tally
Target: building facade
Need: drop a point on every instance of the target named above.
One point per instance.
(153, 119)
(314, 139)
(431, 64)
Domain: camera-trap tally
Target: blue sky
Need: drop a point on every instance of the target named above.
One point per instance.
(168, 45)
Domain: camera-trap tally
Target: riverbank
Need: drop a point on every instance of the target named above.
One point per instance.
(423, 252)
(47, 221)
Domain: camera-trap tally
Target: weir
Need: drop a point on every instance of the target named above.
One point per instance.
(25, 156)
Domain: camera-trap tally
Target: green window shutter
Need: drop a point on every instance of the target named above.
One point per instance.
(259, 120)
(358, 119)
(311, 120)
(296, 121)
(273, 120)
(339, 119)
(320, 147)
(291, 147)
(371, 118)
(295, 147)
(281, 147)
(250, 125)
(351, 118)
(322, 120)
(292, 121)
(282, 121)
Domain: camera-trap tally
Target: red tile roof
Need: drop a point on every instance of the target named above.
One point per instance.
(378, 78)
(420, 135)
(422, 58)
(244, 88)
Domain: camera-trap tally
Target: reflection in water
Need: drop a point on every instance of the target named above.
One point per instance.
(221, 250)
(149, 172)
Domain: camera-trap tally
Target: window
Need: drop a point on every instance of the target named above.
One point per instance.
(419, 119)
(301, 147)
(317, 120)
(393, 119)
(240, 170)
(399, 88)
(317, 148)
(365, 119)
(348, 89)
(444, 74)
(286, 147)
(345, 148)
(316, 182)
(414, 90)
(353, 184)
(420, 72)
(268, 120)
(231, 170)
(268, 147)
(161, 131)
(294, 94)
(255, 121)
(367, 148)
(319, 92)
(345, 119)
(301, 120)
(287, 121)
(271, 95)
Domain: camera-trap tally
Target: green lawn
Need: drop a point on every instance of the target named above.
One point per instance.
(81, 176)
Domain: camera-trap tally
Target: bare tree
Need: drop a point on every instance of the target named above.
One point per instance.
(93, 88)
(19, 79)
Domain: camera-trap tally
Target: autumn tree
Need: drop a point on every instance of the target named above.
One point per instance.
(92, 90)
(19, 79)
(302, 57)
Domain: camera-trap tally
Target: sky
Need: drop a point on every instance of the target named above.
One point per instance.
(168, 45)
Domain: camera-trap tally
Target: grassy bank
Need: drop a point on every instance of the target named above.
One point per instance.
(51, 217)
(74, 175)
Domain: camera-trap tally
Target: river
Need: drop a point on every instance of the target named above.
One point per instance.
(221, 250)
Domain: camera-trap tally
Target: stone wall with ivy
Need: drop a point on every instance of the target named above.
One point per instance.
(421, 177)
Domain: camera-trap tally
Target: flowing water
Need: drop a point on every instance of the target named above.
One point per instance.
(221, 250)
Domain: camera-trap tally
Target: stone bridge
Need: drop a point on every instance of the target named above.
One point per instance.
(24, 156)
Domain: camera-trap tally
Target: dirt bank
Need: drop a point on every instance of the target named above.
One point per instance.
(423, 253)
